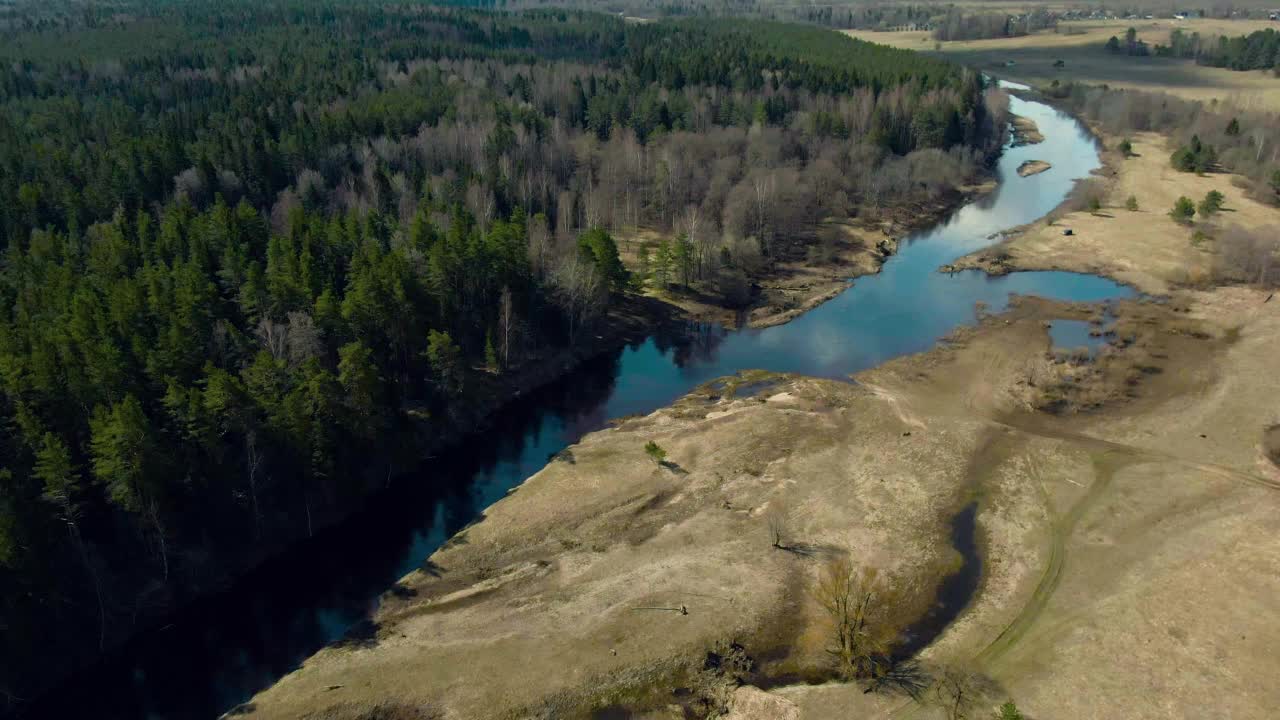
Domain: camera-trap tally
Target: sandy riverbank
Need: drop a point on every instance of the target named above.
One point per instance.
(1115, 540)
(1127, 519)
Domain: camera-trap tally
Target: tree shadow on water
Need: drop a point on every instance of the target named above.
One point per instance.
(431, 568)
(403, 592)
(362, 635)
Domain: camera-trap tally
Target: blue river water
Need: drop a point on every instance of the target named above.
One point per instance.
(227, 647)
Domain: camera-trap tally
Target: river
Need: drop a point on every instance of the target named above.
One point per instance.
(222, 650)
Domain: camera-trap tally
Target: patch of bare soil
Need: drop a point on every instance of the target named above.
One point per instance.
(1033, 167)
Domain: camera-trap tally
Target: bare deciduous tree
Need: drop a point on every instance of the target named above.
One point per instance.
(849, 598)
(963, 694)
(582, 291)
(763, 186)
(252, 459)
(302, 339)
(1250, 256)
(777, 519)
(541, 245)
(274, 337)
(506, 323)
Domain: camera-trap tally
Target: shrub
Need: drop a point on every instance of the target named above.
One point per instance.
(1131, 204)
(1086, 195)
(655, 452)
(1211, 204)
(1009, 711)
(1183, 210)
(1196, 156)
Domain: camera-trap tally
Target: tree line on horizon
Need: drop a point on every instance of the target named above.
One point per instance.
(1259, 50)
(250, 245)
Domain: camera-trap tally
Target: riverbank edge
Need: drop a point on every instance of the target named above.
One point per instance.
(632, 318)
(1025, 131)
(994, 259)
(771, 306)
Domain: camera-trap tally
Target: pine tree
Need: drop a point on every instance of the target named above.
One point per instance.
(123, 454)
(445, 358)
(684, 259)
(599, 246)
(1183, 210)
(58, 477)
(1211, 204)
(662, 265)
(359, 379)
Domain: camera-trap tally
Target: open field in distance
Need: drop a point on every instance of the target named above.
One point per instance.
(1080, 46)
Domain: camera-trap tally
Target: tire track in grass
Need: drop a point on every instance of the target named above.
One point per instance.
(1104, 468)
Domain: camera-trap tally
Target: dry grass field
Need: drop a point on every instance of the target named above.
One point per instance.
(1130, 539)
(1080, 46)
(1131, 553)
(1143, 247)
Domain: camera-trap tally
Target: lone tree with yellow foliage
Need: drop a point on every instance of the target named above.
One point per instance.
(849, 598)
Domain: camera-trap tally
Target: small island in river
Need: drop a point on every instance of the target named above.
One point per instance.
(1033, 167)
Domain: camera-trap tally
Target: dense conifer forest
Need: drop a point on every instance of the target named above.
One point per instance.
(251, 244)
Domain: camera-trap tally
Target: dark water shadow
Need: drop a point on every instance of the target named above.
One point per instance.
(954, 593)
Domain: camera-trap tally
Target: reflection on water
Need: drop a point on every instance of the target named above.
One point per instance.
(226, 648)
(1073, 335)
